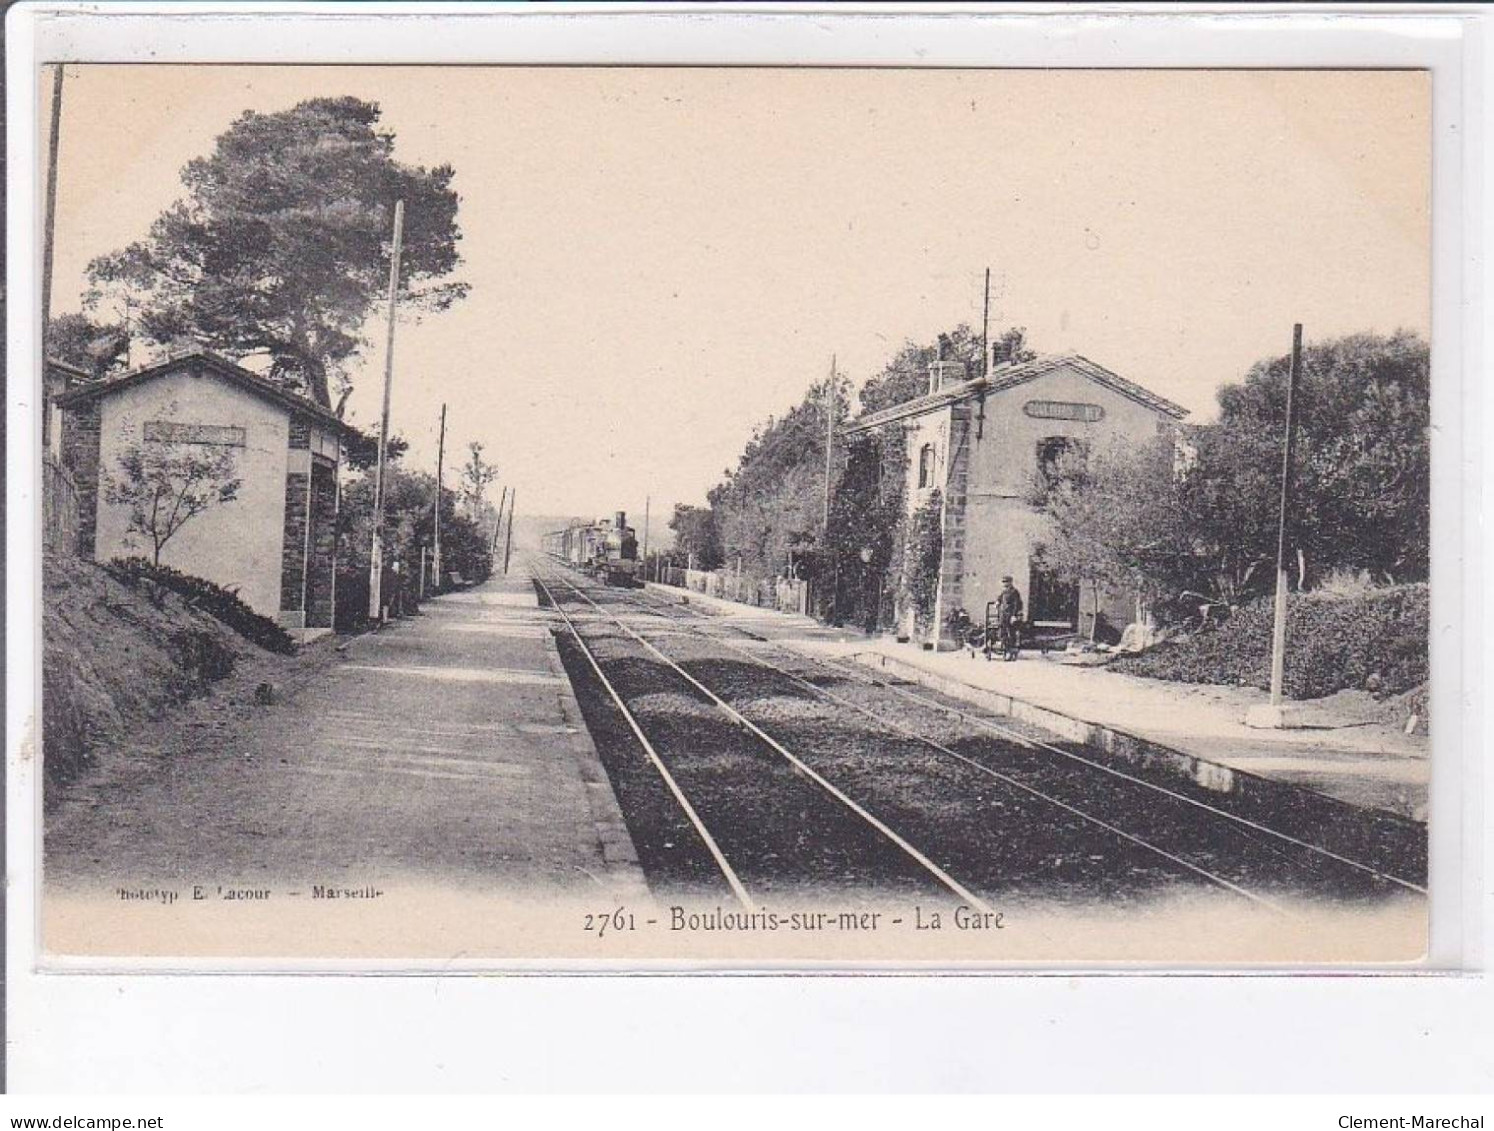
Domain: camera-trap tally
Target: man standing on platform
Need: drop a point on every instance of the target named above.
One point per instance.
(1008, 618)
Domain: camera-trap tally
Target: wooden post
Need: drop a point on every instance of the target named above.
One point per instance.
(1278, 626)
(422, 571)
(647, 504)
(440, 456)
(376, 556)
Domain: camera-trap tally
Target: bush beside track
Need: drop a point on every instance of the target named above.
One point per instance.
(1376, 642)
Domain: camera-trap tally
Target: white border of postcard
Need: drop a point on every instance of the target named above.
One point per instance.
(124, 1032)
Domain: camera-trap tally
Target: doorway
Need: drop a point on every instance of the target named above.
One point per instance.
(321, 544)
(1052, 603)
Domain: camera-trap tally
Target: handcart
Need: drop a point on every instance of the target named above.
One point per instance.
(1003, 639)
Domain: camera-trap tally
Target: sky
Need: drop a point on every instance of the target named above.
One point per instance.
(660, 259)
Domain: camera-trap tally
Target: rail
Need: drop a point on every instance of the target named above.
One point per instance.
(943, 877)
(1037, 744)
(729, 873)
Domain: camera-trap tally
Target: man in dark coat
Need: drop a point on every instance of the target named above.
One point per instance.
(1008, 618)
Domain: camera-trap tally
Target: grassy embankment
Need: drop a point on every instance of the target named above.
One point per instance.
(117, 654)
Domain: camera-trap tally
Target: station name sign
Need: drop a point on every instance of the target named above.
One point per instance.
(1063, 410)
(170, 432)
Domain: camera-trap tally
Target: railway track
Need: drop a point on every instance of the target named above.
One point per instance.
(1378, 873)
(925, 795)
(748, 812)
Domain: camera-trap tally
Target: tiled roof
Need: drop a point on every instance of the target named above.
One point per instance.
(1008, 376)
(245, 378)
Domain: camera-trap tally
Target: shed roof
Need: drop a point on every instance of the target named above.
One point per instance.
(77, 372)
(219, 366)
(1008, 376)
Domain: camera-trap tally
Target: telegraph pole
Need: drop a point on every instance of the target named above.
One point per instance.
(376, 556)
(1277, 714)
(1278, 628)
(440, 457)
(647, 504)
(54, 140)
(832, 403)
(985, 331)
(830, 406)
(508, 545)
(498, 524)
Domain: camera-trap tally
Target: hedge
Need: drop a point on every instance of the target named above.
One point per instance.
(212, 599)
(1377, 642)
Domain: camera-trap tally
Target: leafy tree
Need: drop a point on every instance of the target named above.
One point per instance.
(408, 502)
(906, 375)
(166, 485)
(409, 525)
(1363, 470)
(1199, 521)
(1117, 521)
(281, 245)
(867, 514)
(772, 503)
(466, 548)
(1230, 494)
(361, 449)
(476, 475)
(97, 347)
(695, 536)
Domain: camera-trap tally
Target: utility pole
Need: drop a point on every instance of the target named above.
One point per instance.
(376, 556)
(985, 331)
(1277, 714)
(498, 524)
(508, 545)
(440, 457)
(54, 140)
(832, 403)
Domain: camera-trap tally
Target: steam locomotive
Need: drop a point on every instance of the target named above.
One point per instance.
(607, 549)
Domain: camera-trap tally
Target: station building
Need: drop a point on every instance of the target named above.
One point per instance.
(276, 542)
(981, 443)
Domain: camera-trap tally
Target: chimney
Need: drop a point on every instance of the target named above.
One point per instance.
(620, 520)
(943, 374)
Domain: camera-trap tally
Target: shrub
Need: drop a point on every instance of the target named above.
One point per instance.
(199, 593)
(1377, 641)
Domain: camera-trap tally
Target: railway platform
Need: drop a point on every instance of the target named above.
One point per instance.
(1200, 729)
(560, 822)
(444, 748)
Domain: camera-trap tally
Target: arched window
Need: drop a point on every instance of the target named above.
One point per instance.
(926, 466)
